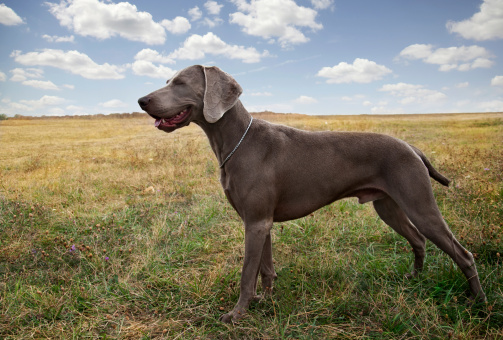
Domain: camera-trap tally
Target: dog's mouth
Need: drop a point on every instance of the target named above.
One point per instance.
(173, 123)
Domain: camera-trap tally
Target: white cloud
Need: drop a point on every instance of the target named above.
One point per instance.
(68, 86)
(213, 7)
(305, 100)
(462, 104)
(74, 108)
(462, 85)
(322, 4)
(270, 19)
(178, 25)
(55, 38)
(72, 61)
(44, 101)
(13, 108)
(147, 68)
(197, 46)
(41, 84)
(497, 81)
(195, 13)
(486, 24)
(3, 76)
(20, 74)
(413, 93)
(9, 17)
(212, 22)
(477, 63)
(144, 64)
(114, 103)
(492, 106)
(23, 75)
(148, 54)
(383, 110)
(56, 111)
(279, 108)
(361, 71)
(103, 20)
(261, 94)
(461, 58)
(417, 51)
(43, 105)
(367, 103)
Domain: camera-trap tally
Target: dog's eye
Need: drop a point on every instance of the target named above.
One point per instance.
(178, 82)
(167, 81)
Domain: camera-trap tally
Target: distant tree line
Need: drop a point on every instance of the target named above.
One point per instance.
(90, 117)
(263, 115)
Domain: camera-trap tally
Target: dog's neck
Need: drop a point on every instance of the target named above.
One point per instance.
(226, 133)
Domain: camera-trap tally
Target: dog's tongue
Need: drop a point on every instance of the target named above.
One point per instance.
(160, 123)
(172, 121)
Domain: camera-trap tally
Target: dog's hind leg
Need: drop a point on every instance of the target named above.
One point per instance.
(393, 216)
(415, 198)
(267, 272)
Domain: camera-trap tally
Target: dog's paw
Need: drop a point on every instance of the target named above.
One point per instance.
(226, 318)
(415, 273)
(475, 299)
(258, 298)
(233, 316)
(411, 275)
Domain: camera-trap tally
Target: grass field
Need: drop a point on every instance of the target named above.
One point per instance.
(111, 229)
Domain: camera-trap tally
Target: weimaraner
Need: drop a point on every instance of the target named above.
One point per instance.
(273, 173)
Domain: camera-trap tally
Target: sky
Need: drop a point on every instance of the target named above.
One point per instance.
(322, 57)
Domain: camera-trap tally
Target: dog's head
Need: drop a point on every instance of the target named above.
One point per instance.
(193, 94)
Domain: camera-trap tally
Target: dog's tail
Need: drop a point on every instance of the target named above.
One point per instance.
(431, 170)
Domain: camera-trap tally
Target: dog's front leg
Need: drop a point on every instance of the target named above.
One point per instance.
(256, 234)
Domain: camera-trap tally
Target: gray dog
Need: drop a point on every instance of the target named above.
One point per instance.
(273, 173)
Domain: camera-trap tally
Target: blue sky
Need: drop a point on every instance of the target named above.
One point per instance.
(291, 56)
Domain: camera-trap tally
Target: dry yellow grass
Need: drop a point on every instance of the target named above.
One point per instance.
(80, 165)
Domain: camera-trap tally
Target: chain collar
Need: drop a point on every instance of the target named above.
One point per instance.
(237, 146)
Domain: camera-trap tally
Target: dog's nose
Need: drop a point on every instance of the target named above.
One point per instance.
(143, 101)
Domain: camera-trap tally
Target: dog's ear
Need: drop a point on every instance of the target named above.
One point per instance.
(220, 94)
